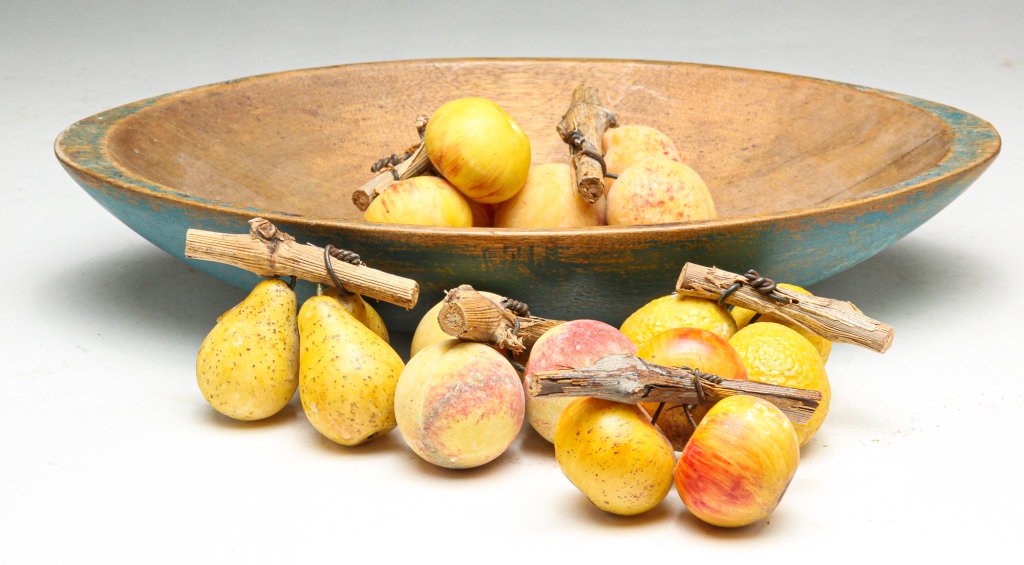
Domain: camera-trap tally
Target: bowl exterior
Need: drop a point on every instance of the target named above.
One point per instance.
(595, 273)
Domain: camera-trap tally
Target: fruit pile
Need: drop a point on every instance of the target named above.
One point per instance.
(484, 178)
(460, 404)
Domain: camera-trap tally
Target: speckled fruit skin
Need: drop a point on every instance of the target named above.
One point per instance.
(675, 311)
(549, 200)
(347, 374)
(248, 365)
(743, 317)
(479, 148)
(579, 343)
(429, 332)
(778, 355)
(360, 310)
(626, 145)
(739, 462)
(613, 454)
(459, 404)
(421, 201)
(698, 349)
(659, 191)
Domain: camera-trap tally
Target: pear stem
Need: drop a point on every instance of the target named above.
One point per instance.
(471, 316)
(630, 379)
(269, 252)
(417, 164)
(582, 128)
(835, 320)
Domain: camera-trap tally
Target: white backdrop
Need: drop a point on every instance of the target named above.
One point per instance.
(108, 452)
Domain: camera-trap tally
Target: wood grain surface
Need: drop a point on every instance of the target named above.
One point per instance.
(809, 177)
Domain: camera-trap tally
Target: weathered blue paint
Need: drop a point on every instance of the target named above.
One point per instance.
(557, 280)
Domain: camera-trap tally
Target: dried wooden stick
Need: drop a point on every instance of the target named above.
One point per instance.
(416, 165)
(469, 315)
(629, 379)
(832, 319)
(269, 252)
(582, 127)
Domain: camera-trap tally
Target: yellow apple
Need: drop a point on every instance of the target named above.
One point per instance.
(479, 148)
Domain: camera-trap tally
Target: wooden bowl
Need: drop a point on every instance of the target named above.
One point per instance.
(810, 177)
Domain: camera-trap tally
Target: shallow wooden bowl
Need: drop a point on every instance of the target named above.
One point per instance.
(810, 177)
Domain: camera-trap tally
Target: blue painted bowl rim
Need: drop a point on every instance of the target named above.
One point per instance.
(974, 143)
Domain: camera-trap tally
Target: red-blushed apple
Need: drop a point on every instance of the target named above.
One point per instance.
(421, 201)
(625, 145)
(658, 191)
(695, 348)
(571, 345)
(738, 463)
(479, 148)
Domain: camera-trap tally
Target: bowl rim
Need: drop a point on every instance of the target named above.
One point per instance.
(82, 147)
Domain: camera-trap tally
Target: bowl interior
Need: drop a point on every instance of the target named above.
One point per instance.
(300, 142)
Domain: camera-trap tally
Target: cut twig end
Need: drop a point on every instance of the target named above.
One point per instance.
(265, 230)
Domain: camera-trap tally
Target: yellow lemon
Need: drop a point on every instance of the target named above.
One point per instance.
(743, 316)
(675, 311)
(777, 355)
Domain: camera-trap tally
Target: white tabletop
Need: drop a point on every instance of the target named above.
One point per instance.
(108, 452)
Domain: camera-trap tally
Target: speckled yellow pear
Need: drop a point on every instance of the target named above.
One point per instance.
(614, 455)
(248, 365)
(360, 310)
(347, 374)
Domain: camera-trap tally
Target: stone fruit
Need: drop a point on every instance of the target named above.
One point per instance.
(548, 200)
(743, 317)
(775, 354)
(360, 310)
(574, 344)
(479, 148)
(423, 201)
(248, 365)
(736, 467)
(676, 311)
(629, 144)
(347, 374)
(613, 454)
(429, 332)
(459, 404)
(697, 349)
(659, 191)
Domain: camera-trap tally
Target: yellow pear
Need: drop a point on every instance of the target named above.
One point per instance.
(347, 374)
(360, 310)
(614, 455)
(248, 365)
